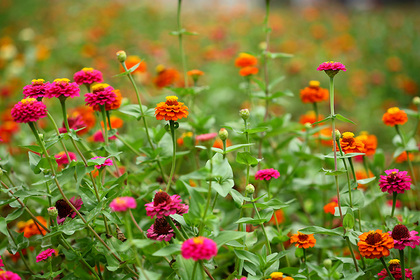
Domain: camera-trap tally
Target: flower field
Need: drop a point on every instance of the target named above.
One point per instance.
(143, 140)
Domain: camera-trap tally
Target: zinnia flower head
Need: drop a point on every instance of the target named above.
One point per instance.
(403, 237)
(331, 68)
(62, 88)
(245, 60)
(36, 89)
(330, 207)
(165, 205)
(303, 240)
(395, 181)
(279, 276)
(248, 71)
(195, 74)
(28, 110)
(369, 141)
(64, 210)
(171, 109)
(88, 76)
(199, 248)
(166, 76)
(61, 158)
(310, 117)
(102, 94)
(375, 244)
(122, 204)
(278, 217)
(161, 230)
(403, 157)
(8, 275)
(267, 174)
(394, 116)
(108, 162)
(31, 228)
(206, 137)
(349, 144)
(313, 93)
(395, 269)
(1, 262)
(44, 255)
(111, 106)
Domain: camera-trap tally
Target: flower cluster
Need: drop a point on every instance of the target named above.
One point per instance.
(31, 228)
(161, 230)
(349, 144)
(267, 174)
(199, 248)
(44, 255)
(247, 64)
(61, 158)
(36, 89)
(101, 95)
(403, 237)
(369, 141)
(395, 181)
(395, 269)
(8, 275)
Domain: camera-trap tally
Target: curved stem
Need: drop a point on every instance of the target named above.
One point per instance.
(352, 254)
(387, 269)
(22, 256)
(175, 228)
(194, 270)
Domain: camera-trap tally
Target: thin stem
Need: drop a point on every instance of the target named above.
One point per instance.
(127, 145)
(20, 252)
(134, 221)
(265, 53)
(194, 270)
(304, 255)
(394, 202)
(263, 228)
(181, 47)
(59, 136)
(105, 126)
(172, 128)
(352, 254)
(347, 173)
(175, 228)
(130, 237)
(402, 264)
(200, 229)
(386, 268)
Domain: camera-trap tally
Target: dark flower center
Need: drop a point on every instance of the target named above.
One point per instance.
(161, 226)
(63, 208)
(161, 197)
(303, 237)
(399, 232)
(393, 267)
(391, 178)
(373, 238)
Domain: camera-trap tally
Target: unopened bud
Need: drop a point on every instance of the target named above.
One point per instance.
(41, 136)
(244, 113)
(250, 189)
(122, 56)
(308, 125)
(52, 212)
(337, 135)
(262, 45)
(327, 263)
(223, 134)
(416, 100)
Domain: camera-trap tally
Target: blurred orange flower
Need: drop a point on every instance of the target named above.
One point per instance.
(88, 117)
(360, 175)
(166, 76)
(219, 143)
(133, 60)
(330, 207)
(279, 215)
(310, 117)
(116, 122)
(245, 60)
(403, 157)
(370, 141)
(30, 228)
(313, 93)
(248, 71)
(394, 116)
(115, 105)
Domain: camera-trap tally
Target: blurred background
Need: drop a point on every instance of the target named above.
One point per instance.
(378, 41)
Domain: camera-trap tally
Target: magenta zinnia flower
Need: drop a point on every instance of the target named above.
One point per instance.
(199, 248)
(160, 230)
(206, 137)
(8, 275)
(62, 88)
(88, 76)
(28, 110)
(102, 94)
(395, 269)
(36, 89)
(403, 237)
(64, 210)
(267, 174)
(122, 204)
(395, 181)
(331, 65)
(61, 158)
(1, 262)
(165, 205)
(108, 162)
(98, 136)
(75, 123)
(44, 255)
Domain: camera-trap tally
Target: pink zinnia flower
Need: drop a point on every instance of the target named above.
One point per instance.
(102, 94)
(44, 255)
(98, 136)
(75, 123)
(165, 205)
(395, 269)
(160, 230)
(122, 204)
(64, 210)
(242, 278)
(36, 89)
(206, 137)
(62, 88)
(61, 158)
(398, 203)
(108, 162)
(28, 110)
(199, 248)
(395, 181)
(403, 237)
(1, 262)
(88, 76)
(267, 174)
(331, 65)
(8, 275)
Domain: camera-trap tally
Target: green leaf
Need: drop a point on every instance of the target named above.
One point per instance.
(247, 256)
(249, 220)
(321, 230)
(333, 172)
(343, 119)
(237, 147)
(132, 110)
(168, 250)
(321, 121)
(3, 226)
(279, 55)
(348, 221)
(33, 148)
(276, 81)
(273, 203)
(222, 175)
(349, 155)
(246, 158)
(14, 215)
(256, 130)
(366, 181)
(226, 236)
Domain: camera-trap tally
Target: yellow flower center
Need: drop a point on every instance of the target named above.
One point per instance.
(394, 261)
(160, 68)
(393, 110)
(27, 100)
(62, 81)
(314, 84)
(171, 100)
(198, 240)
(2, 272)
(276, 275)
(38, 81)
(99, 87)
(348, 135)
(87, 69)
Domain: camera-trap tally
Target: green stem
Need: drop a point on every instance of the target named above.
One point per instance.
(386, 268)
(127, 145)
(352, 254)
(200, 230)
(105, 126)
(20, 252)
(347, 173)
(304, 255)
(181, 47)
(50, 265)
(265, 53)
(352, 170)
(402, 264)
(59, 136)
(263, 228)
(175, 228)
(172, 127)
(394, 201)
(130, 237)
(194, 270)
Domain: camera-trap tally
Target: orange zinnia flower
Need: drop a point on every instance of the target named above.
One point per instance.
(245, 59)
(313, 93)
(171, 109)
(370, 141)
(310, 117)
(279, 276)
(195, 72)
(394, 116)
(115, 122)
(115, 105)
(330, 207)
(279, 215)
(350, 144)
(248, 71)
(403, 157)
(362, 175)
(375, 244)
(165, 76)
(133, 60)
(303, 240)
(30, 228)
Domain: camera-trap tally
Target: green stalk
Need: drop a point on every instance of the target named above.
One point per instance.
(130, 238)
(59, 136)
(194, 270)
(347, 173)
(181, 47)
(387, 269)
(262, 226)
(352, 254)
(200, 230)
(394, 201)
(304, 255)
(105, 126)
(172, 128)
(175, 228)
(25, 262)
(402, 264)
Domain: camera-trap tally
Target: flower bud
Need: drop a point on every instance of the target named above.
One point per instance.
(327, 263)
(308, 125)
(337, 135)
(122, 56)
(416, 100)
(244, 113)
(52, 212)
(250, 189)
(223, 134)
